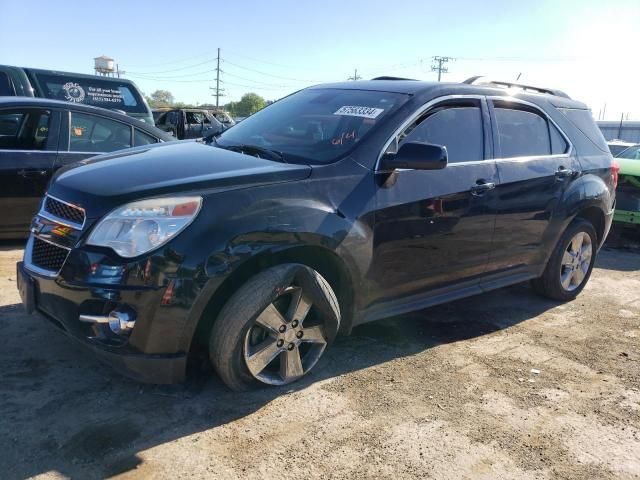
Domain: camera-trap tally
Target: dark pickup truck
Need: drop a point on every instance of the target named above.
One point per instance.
(185, 123)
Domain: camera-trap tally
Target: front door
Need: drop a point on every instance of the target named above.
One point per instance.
(28, 149)
(535, 167)
(435, 228)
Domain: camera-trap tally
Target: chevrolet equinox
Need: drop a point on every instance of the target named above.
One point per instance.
(337, 205)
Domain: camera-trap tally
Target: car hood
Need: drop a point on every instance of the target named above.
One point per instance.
(103, 182)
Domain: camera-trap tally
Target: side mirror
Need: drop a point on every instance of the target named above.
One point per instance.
(416, 156)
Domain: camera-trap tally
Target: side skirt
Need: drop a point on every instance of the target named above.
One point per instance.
(423, 300)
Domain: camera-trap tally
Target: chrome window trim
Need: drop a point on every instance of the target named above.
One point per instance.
(543, 114)
(445, 98)
(35, 269)
(62, 221)
(412, 118)
(17, 150)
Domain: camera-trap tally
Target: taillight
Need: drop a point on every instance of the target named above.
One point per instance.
(615, 170)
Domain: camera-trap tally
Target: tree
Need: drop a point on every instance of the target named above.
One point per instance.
(161, 98)
(249, 104)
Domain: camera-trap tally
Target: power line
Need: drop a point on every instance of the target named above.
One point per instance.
(270, 75)
(438, 65)
(186, 67)
(255, 81)
(233, 54)
(171, 77)
(172, 62)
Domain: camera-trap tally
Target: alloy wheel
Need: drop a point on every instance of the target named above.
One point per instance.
(576, 261)
(286, 340)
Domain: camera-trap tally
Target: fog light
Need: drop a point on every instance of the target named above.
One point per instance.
(121, 322)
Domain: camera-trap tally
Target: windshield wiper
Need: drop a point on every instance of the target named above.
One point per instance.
(256, 151)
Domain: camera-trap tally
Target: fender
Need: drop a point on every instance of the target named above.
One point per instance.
(269, 243)
(589, 190)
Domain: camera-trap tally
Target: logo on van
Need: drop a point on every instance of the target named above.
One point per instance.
(73, 92)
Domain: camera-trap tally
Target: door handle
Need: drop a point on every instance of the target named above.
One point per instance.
(563, 172)
(32, 173)
(481, 187)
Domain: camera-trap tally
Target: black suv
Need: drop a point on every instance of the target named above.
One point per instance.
(337, 205)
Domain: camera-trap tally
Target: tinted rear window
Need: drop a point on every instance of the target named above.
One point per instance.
(583, 120)
(522, 133)
(111, 94)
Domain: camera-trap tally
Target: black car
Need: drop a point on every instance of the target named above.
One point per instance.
(338, 205)
(38, 136)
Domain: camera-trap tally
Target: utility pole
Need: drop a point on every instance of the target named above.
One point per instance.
(219, 93)
(355, 76)
(438, 65)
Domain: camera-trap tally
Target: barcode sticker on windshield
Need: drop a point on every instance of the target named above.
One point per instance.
(366, 112)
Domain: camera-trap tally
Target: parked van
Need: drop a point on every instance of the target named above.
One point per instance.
(106, 92)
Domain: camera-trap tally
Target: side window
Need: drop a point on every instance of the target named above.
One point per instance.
(558, 143)
(196, 117)
(91, 133)
(6, 86)
(522, 133)
(142, 138)
(24, 129)
(457, 127)
(171, 118)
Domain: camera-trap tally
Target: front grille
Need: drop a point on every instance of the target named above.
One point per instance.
(47, 256)
(64, 211)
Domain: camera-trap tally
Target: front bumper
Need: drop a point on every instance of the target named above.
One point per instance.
(62, 305)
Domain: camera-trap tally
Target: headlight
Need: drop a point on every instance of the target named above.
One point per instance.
(139, 227)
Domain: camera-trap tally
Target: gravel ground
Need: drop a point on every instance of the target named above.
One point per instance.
(504, 385)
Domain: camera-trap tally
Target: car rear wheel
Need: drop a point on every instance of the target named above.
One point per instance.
(571, 263)
(274, 329)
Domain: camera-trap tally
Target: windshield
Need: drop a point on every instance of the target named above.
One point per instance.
(631, 152)
(315, 125)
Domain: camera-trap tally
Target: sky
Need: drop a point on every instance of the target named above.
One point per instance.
(586, 48)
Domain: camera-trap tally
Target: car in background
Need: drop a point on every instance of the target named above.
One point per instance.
(106, 92)
(185, 123)
(223, 117)
(38, 136)
(628, 193)
(618, 146)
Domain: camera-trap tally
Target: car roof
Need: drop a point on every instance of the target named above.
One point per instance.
(79, 107)
(78, 75)
(418, 87)
(391, 86)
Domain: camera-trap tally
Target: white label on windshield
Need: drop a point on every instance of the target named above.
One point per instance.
(366, 112)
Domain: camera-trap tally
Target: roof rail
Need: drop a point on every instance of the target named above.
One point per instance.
(499, 83)
(384, 77)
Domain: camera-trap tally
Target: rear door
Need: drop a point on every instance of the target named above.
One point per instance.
(434, 228)
(28, 149)
(535, 165)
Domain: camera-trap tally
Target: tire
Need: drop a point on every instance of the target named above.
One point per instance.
(567, 274)
(281, 312)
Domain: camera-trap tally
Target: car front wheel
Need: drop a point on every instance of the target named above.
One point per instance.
(274, 329)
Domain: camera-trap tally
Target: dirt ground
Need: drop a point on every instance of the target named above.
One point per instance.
(451, 392)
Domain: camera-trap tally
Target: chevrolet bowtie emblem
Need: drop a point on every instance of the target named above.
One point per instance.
(61, 230)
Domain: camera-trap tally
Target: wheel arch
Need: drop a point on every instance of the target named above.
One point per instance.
(594, 215)
(326, 262)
